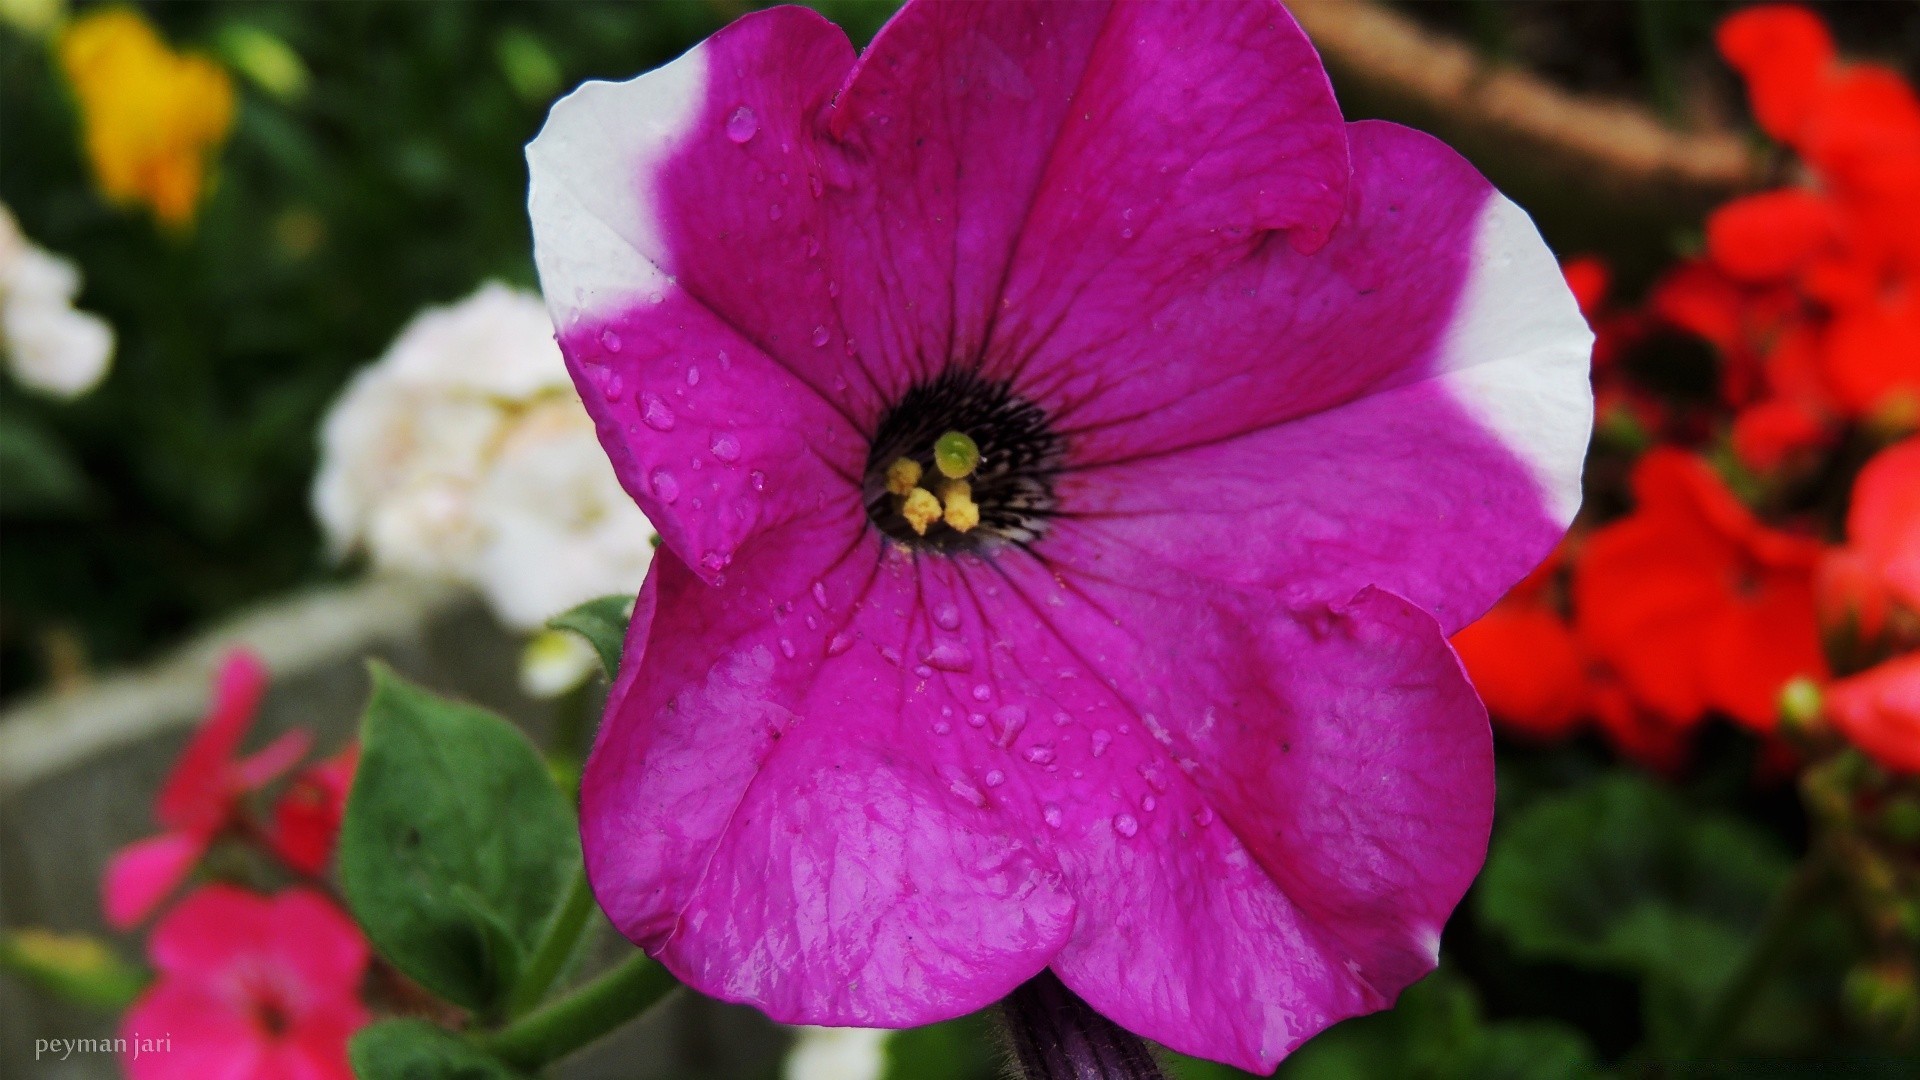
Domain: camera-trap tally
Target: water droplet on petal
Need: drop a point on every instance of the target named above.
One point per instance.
(726, 362)
(820, 595)
(813, 247)
(941, 727)
(1040, 754)
(614, 388)
(838, 644)
(610, 340)
(1061, 719)
(813, 181)
(786, 648)
(833, 289)
(820, 336)
(1125, 825)
(774, 212)
(1052, 816)
(995, 778)
(665, 486)
(982, 692)
(923, 671)
(890, 654)
(693, 375)
(1010, 718)
(968, 792)
(949, 656)
(715, 560)
(947, 617)
(976, 719)
(758, 479)
(1148, 802)
(656, 413)
(725, 447)
(742, 125)
(1101, 740)
(1203, 817)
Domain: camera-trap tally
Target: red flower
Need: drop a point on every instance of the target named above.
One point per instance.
(1879, 710)
(306, 821)
(1881, 561)
(1785, 54)
(1695, 604)
(1771, 236)
(251, 988)
(1528, 669)
(198, 800)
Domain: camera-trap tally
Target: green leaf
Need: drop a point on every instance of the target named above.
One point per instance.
(456, 845)
(37, 475)
(1620, 875)
(74, 967)
(416, 1050)
(603, 623)
(960, 1049)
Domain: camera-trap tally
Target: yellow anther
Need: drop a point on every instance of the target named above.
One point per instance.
(962, 512)
(903, 476)
(956, 455)
(921, 510)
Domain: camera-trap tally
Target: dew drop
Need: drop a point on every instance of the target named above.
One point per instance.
(1203, 817)
(742, 125)
(726, 361)
(656, 413)
(813, 181)
(725, 447)
(610, 340)
(1148, 803)
(820, 595)
(820, 336)
(1052, 816)
(923, 671)
(813, 247)
(786, 648)
(833, 289)
(1010, 719)
(982, 692)
(947, 617)
(1101, 740)
(614, 388)
(950, 656)
(715, 561)
(976, 719)
(1040, 754)
(890, 654)
(665, 486)
(968, 792)
(693, 375)
(774, 212)
(838, 644)
(995, 778)
(758, 479)
(1125, 825)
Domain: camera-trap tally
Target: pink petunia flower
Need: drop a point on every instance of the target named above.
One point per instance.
(1157, 693)
(251, 988)
(197, 801)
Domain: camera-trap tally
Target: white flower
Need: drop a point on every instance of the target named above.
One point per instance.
(825, 1053)
(49, 346)
(465, 453)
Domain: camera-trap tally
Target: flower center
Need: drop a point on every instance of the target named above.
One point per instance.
(960, 463)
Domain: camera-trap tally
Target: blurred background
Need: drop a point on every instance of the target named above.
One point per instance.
(224, 214)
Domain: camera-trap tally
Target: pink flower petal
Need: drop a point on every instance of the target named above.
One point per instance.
(766, 814)
(1400, 409)
(208, 1038)
(318, 943)
(270, 762)
(145, 872)
(196, 791)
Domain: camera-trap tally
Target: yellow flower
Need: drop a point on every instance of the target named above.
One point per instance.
(152, 115)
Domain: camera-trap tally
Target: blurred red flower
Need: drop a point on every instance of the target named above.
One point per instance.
(198, 800)
(1879, 711)
(1524, 660)
(250, 988)
(1880, 563)
(1695, 604)
(306, 820)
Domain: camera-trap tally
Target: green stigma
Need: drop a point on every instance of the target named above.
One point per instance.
(956, 455)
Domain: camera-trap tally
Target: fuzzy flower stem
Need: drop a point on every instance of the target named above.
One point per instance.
(1769, 947)
(554, 947)
(1056, 1036)
(555, 1030)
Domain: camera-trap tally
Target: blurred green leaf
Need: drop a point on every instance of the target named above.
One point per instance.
(603, 622)
(456, 845)
(416, 1050)
(962, 1049)
(73, 967)
(1620, 875)
(37, 475)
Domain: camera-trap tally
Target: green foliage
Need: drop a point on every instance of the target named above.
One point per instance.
(603, 622)
(1620, 874)
(960, 1049)
(416, 1050)
(37, 476)
(456, 846)
(72, 967)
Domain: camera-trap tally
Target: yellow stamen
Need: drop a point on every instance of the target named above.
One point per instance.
(921, 510)
(962, 513)
(956, 455)
(903, 476)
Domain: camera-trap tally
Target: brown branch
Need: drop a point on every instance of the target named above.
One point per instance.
(1610, 143)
